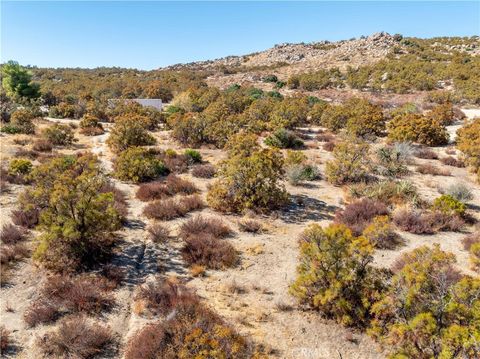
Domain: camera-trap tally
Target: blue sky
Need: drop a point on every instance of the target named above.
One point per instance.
(149, 35)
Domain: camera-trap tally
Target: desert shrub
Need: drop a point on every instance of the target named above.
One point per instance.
(468, 142)
(42, 145)
(391, 162)
(163, 296)
(250, 226)
(452, 161)
(21, 121)
(428, 169)
(19, 166)
(208, 251)
(459, 192)
(193, 156)
(129, 131)
(283, 138)
(5, 339)
(11, 234)
(329, 146)
(449, 205)
(204, 171)
(170, 209)
(350, 163)
(365, 119)
(426, 153)
(171, 186)
(471, 243)
(414, 222)
(193, 331)
(138, 164)
(443, 113)
(76, 337)
(248, 179)
(77, 218)
(334, 276)
(158, 233)
(325, 137)
(417, 128)
(380, 233)
(62, 295)
(59, 135)
(357, 215)
(27, 218)
(428, 310)
(62, 110)
(90, 125)
(201, 225)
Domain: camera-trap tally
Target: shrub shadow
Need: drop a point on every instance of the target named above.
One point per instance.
(303, 208)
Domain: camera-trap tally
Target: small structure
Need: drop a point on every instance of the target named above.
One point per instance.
(146, 102)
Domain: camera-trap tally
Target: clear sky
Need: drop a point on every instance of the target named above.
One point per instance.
(148, 35)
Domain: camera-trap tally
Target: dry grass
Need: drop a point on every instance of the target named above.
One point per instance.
(426, 154)
(161, 189)
(201, 225)
(158, 233)
(204, 171)
(452, 161)
(167, 210)
(250, 226)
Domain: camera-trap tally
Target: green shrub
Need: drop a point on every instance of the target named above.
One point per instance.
(193, 156)
(90, 122)
(59, 135)
(468, 141)
(248, 179)
(19, 166)
(417, 128)
(62, 110)
(128, 131)
(20, 122)
(283, 138)
(448, 205)
(350, 163)
(270, 78)
(137, 164)
(429, 310)
(334, 275)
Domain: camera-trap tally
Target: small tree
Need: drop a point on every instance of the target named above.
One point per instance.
(129, 131)
(77, 215)
(334, 275)
(17, 81)
(249, 179)
(350, 163)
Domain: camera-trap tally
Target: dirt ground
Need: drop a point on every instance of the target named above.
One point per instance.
(253, 296)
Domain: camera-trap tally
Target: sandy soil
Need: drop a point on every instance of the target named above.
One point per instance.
(253, 296)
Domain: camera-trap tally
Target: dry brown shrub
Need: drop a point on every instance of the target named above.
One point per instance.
(426, 154)
(206, 250)
(177, 185)
(357, 215)
(152, 191)
(4, 339)
(452, 161)
(325, 137)
(92, 131)
(12, 234)
(201, 225)
(42, 145)
(470, 240)
(204, 171)
(26, 218)
(428, 169)
(158, 233)
(76, 337)
(41, 312)
(250, 226)
(176, 164)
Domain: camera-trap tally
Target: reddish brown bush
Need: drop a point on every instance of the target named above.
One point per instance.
(452, 161)
(92, 131)
(470, 240)
(329, 146)
(76, 337)
(206, 250)
(114, 274)
(12, 234)
(201, 225)
(357, 215)
(158, 233)
(204, 171)
(426, 154)
(177, 185)
(160, 298)
(170, 209)
(27, 219)
(171, 186)
(176, 164)
(4, 339)
(414, 222)
(23, 153)
(42, 145)
(4, 187)
(12, 252)
(41, 312)
(325, 137)
(70, 295)
(250, 225)
(428, 169)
